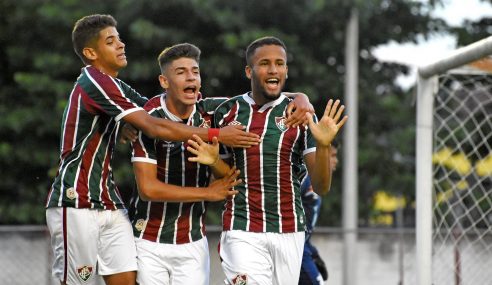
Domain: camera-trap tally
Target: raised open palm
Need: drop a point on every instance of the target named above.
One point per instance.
(328, 126)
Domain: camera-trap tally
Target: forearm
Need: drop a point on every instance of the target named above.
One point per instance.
(220, 168)
(150, 188)
(321, 172)
(158, 191)
(172, 131)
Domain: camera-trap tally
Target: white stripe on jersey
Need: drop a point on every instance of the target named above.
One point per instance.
(292, 181)
(106, 95)
(262, 182)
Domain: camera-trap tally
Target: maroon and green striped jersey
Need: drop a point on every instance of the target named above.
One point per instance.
(88, 135)
(172, 222)
(269, 197)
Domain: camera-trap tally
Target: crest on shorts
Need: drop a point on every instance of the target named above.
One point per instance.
(240, 279)
(280, 122)
(71, 193)
(84, 272)
(140, 224)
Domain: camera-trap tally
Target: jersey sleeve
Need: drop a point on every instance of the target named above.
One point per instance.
(133, 94)
(143, 149)
(209, 105)
(106, 95)
(309, 143)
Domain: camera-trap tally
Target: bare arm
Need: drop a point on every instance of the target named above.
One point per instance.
(172, 131)
(324, 132)
(150, 188)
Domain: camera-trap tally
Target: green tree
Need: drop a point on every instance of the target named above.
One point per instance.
(39, 67)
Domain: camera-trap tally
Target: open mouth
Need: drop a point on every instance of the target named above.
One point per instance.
(273, 82)
(190, 89)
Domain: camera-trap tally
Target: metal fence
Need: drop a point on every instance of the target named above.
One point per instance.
(384, 255)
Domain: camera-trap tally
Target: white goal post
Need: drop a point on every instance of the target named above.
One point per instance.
(428, 86)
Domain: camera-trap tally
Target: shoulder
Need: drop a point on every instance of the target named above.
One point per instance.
(231, 101)
(153, 104)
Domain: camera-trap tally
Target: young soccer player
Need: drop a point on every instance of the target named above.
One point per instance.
(263, 226)
(173, 186)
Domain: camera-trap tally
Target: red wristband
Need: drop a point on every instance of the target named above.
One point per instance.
(213, 132)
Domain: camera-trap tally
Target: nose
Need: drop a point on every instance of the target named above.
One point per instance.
(121, 44)
(272, 68)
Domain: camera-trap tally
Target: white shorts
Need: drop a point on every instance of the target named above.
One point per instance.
(261, 258)
(84, 240)
(176, 264)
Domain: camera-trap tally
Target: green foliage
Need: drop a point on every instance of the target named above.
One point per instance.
(39, 68)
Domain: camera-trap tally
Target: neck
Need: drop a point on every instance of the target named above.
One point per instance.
(180, 110)
(112, 73)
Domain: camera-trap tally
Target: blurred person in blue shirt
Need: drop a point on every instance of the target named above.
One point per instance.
(313, 268)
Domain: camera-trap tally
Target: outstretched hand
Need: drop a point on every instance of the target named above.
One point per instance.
(222, 188)
(328, 126)
(235, 136)
(205, 153)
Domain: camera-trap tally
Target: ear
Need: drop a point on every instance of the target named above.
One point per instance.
(163, 81)
(248, 71)
(89, 53)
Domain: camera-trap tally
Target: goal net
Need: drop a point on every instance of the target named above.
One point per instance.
(460, 188)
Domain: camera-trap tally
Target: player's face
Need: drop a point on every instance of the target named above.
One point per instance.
(268, 71)
(333, 158)
(109, 51)
(182, 81)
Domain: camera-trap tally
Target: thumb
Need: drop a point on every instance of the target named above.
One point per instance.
(309, 117)
(290, 109)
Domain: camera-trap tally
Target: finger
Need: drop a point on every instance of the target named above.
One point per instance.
(235, 174)
(334, 108)
(342, 122)
(193, 143)
(197, 139)
(339, 113)
(290, 109)
(193, 159)
(215, 141)
(192, 150)
(310, 120)
(235, 182)
(328, 107)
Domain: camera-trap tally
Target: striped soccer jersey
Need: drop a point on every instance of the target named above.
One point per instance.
(172, 222)
(269, 197)
(88, 135)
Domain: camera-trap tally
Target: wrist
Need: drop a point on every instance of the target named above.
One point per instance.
(213, 132)
(215, 162)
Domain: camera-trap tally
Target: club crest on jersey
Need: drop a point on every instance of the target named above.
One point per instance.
(280, 122)
(71, 193)
(205, 124)
(140, 225)
(84, 272)
(240, 279)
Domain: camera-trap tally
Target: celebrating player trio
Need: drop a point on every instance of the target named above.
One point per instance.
(88, 222)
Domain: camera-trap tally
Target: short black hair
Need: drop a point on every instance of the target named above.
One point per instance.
(264, 41)
(87, 29)
(174, 52)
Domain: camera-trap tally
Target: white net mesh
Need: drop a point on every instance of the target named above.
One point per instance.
(462, 159)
